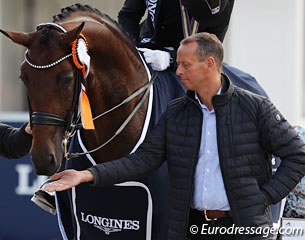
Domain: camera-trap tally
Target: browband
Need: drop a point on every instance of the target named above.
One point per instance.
(55, 25)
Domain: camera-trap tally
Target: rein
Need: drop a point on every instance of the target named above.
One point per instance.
(145, 88)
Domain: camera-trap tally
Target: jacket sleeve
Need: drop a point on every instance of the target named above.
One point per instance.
(281, 140)
(149, 156)
(14, 142)
(130, 15)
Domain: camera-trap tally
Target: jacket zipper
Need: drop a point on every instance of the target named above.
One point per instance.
(194, 167)
(223, 172)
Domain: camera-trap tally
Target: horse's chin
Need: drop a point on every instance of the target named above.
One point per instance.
(49, 171)
(47, 165)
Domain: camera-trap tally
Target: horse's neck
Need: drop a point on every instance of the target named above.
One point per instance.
(118, 72)
(116, 75)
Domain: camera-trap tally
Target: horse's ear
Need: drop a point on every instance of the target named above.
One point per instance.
(24, 39)
(73, 34)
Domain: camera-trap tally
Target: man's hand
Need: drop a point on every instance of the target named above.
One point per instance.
(159, 60)
(28, 129)
(67, 179)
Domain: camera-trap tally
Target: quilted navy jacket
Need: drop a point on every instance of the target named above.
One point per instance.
(249, 130)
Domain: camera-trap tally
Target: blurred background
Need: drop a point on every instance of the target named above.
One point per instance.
(265, 39)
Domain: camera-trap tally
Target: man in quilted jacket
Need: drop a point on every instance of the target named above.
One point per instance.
(217, 140)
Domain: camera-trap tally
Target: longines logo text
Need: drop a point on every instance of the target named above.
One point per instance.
(28, 183)
(151, 6)
(109, 225)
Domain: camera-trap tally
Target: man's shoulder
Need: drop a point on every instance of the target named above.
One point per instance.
(182, 104)
(244, 93)
(177, 103)
(249, 101)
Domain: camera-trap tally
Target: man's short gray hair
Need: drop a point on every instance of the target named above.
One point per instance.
(208, 45)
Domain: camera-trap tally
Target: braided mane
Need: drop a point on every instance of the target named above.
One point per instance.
(68, 12)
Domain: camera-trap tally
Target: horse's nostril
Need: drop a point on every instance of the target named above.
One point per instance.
(48, 167)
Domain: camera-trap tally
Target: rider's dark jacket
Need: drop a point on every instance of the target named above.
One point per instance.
(249, 130)
(14, 142)
(163, 25)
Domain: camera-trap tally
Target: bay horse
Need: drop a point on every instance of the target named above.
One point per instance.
(83, 62)
(118, 86)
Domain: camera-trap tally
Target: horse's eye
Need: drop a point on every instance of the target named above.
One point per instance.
(67, 80)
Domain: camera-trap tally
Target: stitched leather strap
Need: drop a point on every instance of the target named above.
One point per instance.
(216, 214)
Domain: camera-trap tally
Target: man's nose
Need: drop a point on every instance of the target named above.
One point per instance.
(178, 71)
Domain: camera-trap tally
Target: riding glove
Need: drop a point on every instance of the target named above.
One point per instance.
(158, 60)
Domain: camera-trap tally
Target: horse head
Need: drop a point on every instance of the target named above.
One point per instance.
(116, 83)
(48, 73)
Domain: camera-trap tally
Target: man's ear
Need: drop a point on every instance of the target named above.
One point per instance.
(210, 62)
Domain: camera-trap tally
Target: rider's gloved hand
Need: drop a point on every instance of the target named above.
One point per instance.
(159, 60)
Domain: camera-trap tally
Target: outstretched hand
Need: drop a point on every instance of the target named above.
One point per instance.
(28, 129)
(67, 179)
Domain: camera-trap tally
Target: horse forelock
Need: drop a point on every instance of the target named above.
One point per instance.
(43, 36)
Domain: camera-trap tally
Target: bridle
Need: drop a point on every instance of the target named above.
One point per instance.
(71, 123)
(45, 118)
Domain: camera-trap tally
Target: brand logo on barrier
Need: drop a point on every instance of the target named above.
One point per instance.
(110, 225)
(28, 182)
(151, 6)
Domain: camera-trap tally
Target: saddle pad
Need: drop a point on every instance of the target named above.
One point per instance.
(119, 212)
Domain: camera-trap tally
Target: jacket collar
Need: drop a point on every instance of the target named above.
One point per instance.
(227, 90)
